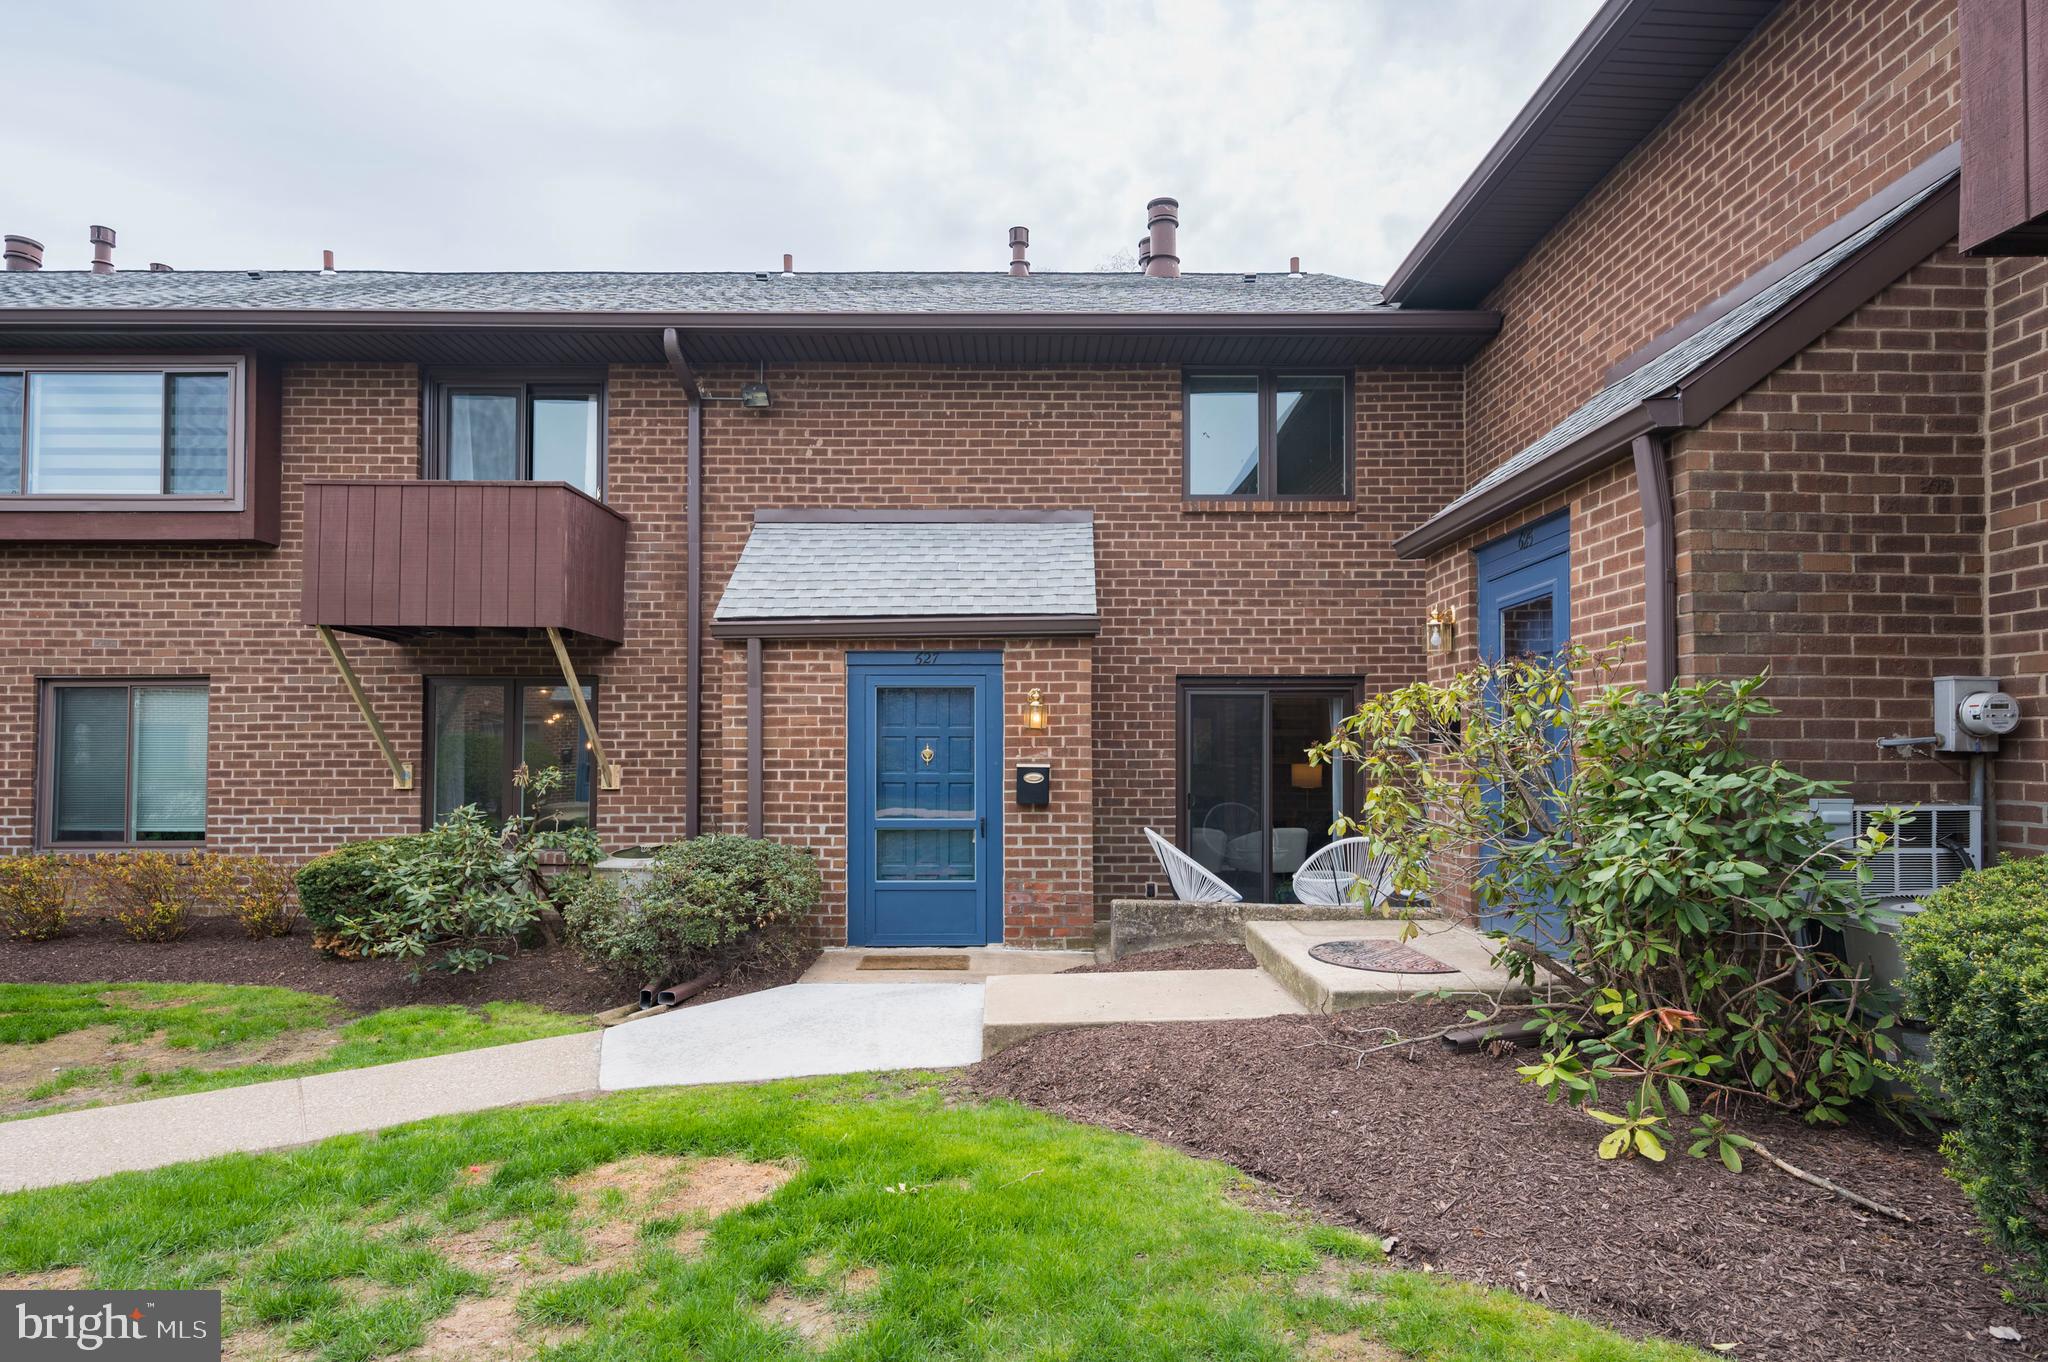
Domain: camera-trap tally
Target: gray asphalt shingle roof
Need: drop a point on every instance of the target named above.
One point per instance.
(390, 291)
(898, 569)
(1662, 375)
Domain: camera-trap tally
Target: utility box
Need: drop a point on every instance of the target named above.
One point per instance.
(1034, 782)
(1971, 713)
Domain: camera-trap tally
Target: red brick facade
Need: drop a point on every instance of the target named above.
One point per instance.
(1866, 518)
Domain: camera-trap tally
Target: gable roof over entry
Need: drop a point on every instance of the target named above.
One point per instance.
(904, 574)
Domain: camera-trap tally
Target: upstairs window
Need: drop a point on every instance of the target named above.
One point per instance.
(1268, 435)
(518, 428)
(124, 764)
(92, 431)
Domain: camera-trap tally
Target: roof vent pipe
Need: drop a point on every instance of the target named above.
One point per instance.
(1162, 216)
(1144, 252)
(788, 265)
(1020, 245)
(102, 249)
(159, 267)
(24, 253)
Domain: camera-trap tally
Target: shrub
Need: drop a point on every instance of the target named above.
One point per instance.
(462, 893)
(262, 898)
(339, 883)
(1691, 882)
(154, 895)
(699, 905)
(1977, 969)
(33, 895)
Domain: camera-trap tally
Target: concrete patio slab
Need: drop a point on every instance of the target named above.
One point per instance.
(1021, 1006)
(798, 1030)
(1282, 950)
(75, 1146)
(841, 965)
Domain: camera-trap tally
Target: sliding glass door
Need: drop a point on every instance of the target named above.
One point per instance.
(1252, 807)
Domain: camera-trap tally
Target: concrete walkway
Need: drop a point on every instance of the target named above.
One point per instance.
(797, 1031)
(77, 1145)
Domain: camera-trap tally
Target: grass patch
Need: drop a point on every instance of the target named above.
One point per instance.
(851, 1218)
(65, 1046)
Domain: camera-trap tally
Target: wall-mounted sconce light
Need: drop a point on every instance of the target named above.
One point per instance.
(1440, 633)
(1305, 775)
(1034, 711)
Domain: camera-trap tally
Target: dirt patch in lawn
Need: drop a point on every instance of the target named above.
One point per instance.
(1218, 956)
(1352, 1347)
(216, 952)
(1472, 1173)
(56, 1279)
(23, 1068)
(612, 1201)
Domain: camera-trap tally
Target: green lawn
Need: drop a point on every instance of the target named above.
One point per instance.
(856, 1218)
(64, 1046)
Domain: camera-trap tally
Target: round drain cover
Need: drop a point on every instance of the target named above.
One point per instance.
(1387, 957)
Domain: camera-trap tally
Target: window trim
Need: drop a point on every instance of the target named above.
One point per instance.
(44, 794)
(439, 384)
(235, 367)
(1185, 687)
(515, 718)
(1268, 377)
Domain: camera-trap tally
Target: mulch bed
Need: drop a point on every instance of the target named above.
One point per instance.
(216, 952)
(1474, 1174)
(1179, 957)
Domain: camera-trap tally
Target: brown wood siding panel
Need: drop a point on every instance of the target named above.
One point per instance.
(391, 557)
(1994, 126)
(2036, 64)
(387, 536)
(493, 553)
(521, 551)
(441, 556)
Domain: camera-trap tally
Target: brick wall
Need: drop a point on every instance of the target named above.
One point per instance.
(1185, 588)
(1830, 524)
(1828, 103)
(292, 770)
(2016, 543)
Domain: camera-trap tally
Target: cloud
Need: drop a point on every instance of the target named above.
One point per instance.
(611, 134)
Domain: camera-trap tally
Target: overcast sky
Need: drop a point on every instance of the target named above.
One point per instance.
(860, 134)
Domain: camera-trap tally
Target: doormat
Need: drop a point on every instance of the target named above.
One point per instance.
(912, 962)
(1386, 957)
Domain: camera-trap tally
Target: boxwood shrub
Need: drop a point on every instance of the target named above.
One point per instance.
(342, 881)
(1977, 969)
(700, 904)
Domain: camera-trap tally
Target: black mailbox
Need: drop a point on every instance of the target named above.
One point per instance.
(1034, 782)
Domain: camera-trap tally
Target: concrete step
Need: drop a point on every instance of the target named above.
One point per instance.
(1020, 1006)
(1282, 950)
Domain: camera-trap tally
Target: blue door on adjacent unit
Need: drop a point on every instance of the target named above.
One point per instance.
(1525, 611)
(924, 864)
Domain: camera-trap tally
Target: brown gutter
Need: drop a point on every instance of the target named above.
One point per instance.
(1427, 321)
(1660, 568)
(912, 626)
(755, 738)
(693, 528)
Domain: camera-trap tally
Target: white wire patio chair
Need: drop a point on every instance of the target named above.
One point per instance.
(1192, 882)
(1345, 871)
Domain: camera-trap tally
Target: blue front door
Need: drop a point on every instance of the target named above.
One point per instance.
(1525, 611)
(924, 864)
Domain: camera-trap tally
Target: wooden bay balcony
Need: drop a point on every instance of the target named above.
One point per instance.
(400, 558)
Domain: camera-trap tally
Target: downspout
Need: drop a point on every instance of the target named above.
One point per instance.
(1660, 570)
(693, 517)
